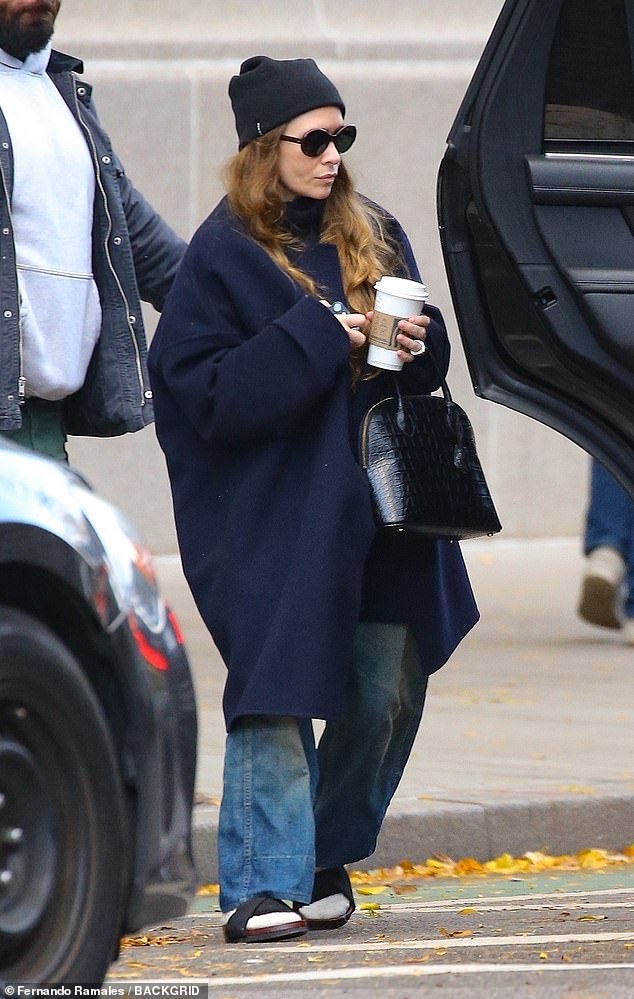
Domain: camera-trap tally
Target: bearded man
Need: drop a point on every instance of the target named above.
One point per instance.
(79, 248)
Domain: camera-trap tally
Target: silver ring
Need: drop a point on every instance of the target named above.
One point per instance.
(421, 349)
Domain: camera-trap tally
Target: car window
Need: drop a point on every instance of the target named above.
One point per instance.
(589, 99)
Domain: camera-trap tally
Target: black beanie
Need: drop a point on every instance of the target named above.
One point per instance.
(269, 92)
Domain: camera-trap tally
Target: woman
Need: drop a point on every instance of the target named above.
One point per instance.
(260, 384)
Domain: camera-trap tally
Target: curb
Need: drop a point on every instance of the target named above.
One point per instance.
(416, 829)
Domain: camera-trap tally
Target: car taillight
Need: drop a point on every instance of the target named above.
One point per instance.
(151, 655)
(176, 628)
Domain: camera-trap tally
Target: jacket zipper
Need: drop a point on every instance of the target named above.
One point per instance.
(95, 157)
(21, 378)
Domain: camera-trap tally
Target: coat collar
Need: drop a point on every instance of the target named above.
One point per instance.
(57, 62)
(34, 64)
(60, 63)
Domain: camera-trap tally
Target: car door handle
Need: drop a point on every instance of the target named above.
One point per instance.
(562, 179)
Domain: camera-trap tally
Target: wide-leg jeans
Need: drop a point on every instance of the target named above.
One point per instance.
(289, 806)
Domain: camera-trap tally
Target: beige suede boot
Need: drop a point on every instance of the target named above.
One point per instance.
(602, 579)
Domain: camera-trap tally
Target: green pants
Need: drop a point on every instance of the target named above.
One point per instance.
(42, 429)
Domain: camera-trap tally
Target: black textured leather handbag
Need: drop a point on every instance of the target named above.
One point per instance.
(420, 457)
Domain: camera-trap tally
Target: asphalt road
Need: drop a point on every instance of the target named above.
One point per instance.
(569, 935)
(536, 702)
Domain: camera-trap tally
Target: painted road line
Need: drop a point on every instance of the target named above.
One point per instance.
(408, 971)
(455, 908)
(487, 903)
(533, 897)
(446, 943)
(525, 907)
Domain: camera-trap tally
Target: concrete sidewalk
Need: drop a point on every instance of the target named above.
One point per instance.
(527, 741)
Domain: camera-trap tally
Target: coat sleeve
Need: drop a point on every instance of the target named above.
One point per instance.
(233, 384)
(156, 249)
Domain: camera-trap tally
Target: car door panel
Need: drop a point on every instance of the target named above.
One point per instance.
(580, 211)
(537, 229)
(577, 180)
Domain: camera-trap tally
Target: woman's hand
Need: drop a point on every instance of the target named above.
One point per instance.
(355, 324)
(412, 334)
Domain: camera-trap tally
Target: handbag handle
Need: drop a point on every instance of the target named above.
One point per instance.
(453, 419)
(442, 380)
(401, 418)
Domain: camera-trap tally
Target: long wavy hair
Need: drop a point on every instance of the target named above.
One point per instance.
(356, 228)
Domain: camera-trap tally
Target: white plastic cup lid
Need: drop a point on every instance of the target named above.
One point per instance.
(402, 288)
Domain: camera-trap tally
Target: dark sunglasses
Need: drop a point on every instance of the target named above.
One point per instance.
(316, 142)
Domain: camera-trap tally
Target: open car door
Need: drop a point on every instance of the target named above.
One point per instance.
(536, 213)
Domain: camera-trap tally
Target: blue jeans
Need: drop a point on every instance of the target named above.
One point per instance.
(610, 521)
(289, 805)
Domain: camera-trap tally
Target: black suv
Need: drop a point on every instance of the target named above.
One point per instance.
(97, 731)
(536, 212)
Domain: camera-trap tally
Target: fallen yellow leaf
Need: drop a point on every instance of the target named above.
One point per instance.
(143, 941)
(210, 889)
(468, 865)
(531, 862)
(206, 799)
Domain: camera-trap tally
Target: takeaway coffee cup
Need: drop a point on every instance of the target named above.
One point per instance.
(396, 298)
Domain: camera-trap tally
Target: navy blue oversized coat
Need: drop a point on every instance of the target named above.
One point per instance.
(258, 422)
